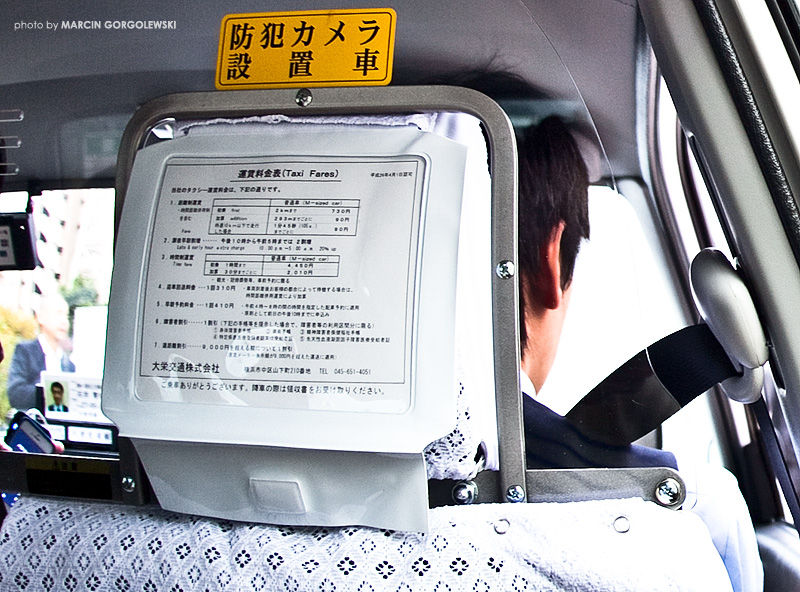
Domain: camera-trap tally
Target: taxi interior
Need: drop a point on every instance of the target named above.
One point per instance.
(686, 111)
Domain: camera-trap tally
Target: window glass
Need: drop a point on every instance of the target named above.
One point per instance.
(76, 262)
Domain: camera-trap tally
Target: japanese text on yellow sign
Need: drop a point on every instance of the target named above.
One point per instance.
(293, 49)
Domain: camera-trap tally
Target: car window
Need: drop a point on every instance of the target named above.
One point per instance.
(74, 231)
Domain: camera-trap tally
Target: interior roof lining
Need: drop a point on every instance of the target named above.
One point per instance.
(71, 82)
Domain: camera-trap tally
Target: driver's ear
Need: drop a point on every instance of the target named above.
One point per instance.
(547, 286)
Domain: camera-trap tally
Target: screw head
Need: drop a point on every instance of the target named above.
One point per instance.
(128, 484)
(505, 269)
(465, 492)
(668, 492)
(303, 97)
(515, 494)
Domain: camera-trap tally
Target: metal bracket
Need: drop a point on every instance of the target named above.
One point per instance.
(661, 485)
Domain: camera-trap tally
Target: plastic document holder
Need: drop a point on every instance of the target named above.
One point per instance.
(281, 321)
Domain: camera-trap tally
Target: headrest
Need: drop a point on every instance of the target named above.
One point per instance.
(604, 544)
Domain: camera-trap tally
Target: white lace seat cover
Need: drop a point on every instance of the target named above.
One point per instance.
(454, 456)
(614, 545)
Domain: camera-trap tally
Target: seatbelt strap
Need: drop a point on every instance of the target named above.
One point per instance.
(653, 385)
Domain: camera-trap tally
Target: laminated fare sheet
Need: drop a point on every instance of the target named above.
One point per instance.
(266, 282)
(294, 282)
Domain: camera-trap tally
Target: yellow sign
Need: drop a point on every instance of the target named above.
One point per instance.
(305, 49)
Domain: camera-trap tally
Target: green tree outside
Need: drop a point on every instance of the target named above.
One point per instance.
(82, 293)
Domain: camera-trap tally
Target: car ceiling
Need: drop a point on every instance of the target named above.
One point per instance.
(78, 88)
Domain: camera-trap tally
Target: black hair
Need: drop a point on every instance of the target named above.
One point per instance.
(553, 188)
(553, 182)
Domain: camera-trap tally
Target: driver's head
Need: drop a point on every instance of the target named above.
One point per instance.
(553, 219)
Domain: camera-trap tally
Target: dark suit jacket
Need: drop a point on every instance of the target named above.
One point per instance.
(23, 374)
(553, 442)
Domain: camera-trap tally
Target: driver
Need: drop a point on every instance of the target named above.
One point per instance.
(553, 220)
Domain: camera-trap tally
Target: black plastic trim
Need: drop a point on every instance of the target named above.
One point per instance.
(786, 16)
(756, 129)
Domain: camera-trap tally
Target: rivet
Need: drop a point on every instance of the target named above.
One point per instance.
(303, 97)
(502, 526)
(515, 494)
(668, 492)
(622, 524)
(505, 269)
(128, 484)
(465, 492)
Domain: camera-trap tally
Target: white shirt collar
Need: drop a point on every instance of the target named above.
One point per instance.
(525, 385)
(52, 358)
